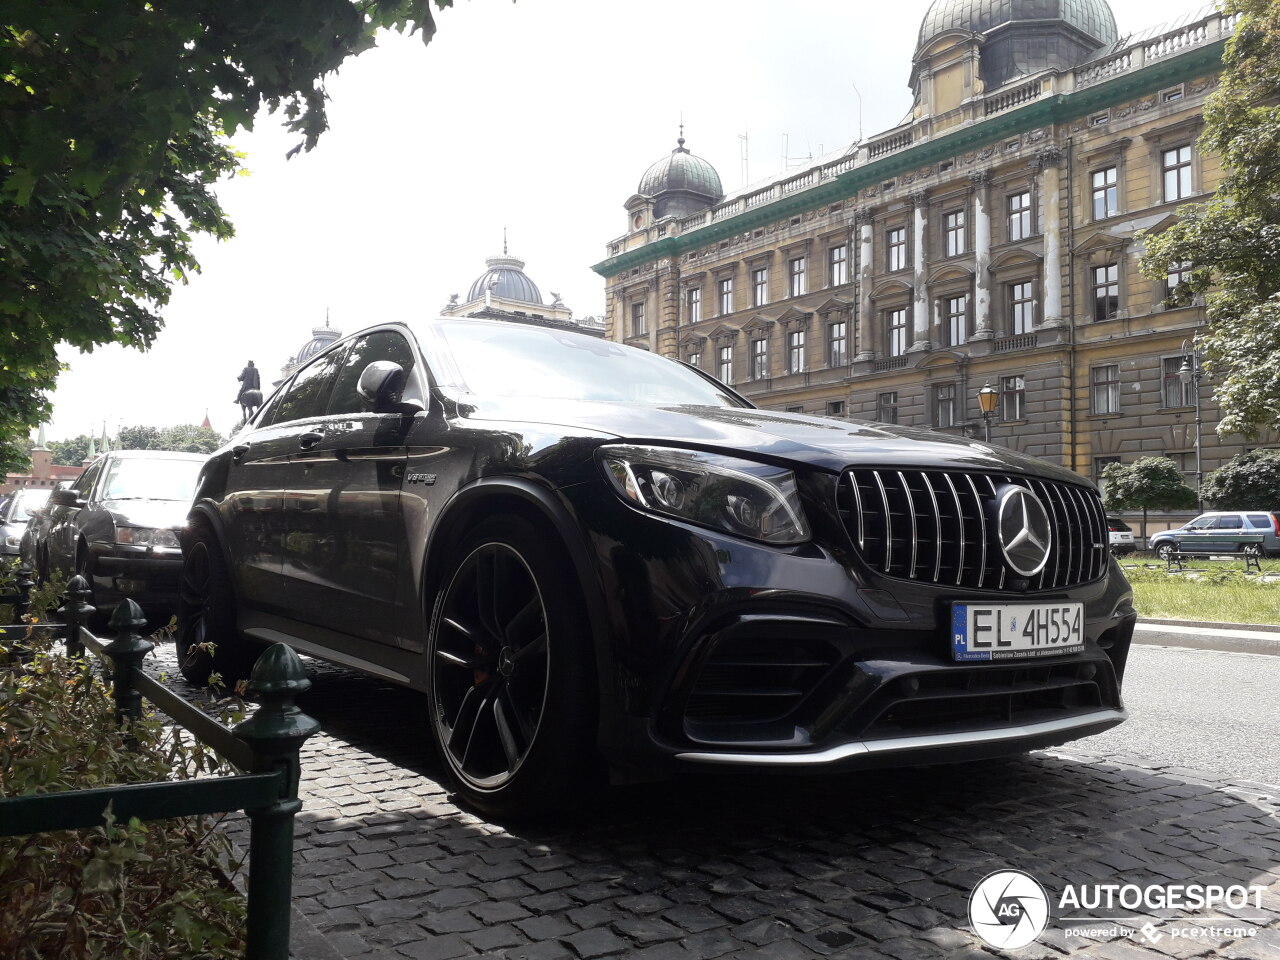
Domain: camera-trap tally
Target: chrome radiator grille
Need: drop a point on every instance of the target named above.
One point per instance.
(934, 526)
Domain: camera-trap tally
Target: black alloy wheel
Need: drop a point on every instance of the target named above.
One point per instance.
(207, 640)
(511, 687)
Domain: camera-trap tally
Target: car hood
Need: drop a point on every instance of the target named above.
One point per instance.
(148, 513)
(817, 441)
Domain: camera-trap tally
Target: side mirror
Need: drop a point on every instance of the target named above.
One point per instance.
(65, 498)
(382, 387)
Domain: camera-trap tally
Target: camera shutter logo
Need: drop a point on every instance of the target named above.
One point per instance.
(1008, 909)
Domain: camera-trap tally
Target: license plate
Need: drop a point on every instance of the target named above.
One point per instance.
(1008, 631)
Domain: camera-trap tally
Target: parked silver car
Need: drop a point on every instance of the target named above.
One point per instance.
(15, 511)
(1223, 531)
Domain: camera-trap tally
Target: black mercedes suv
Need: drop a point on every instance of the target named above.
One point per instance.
(592, 558)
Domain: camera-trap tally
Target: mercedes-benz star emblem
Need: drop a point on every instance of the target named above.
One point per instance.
(1023, 529)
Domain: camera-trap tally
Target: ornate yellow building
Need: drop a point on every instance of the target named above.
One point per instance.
(989, 240)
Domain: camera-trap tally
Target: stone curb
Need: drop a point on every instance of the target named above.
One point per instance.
(1211, 625)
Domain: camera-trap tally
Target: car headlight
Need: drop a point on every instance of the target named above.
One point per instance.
(147, 537)
(741, 497)
(13, 540)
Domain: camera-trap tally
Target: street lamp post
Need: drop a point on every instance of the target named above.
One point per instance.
(987, 399)
(1190, 373)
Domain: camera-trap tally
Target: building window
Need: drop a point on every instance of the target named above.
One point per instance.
(797, 409)
(1176, 393)
(953, 232)
(1106, 388)
(1178, 273)
(1105, 193)
(1100, 465)
(795, 276)
(1176, 167)
(1013, 397)
(724, 291)
(835, 408)
(637, 320)
(724, 364)
(1106, 292)
(895, 322)
(896, 240)
(837, 344)
(760, 287)
(693, 300)
(887, 407)
(1022, 308)
(838, 265)
(1019, 215)
(695, 359)
(795, 351)
(944, 405)
(759, 358)
(956, 319)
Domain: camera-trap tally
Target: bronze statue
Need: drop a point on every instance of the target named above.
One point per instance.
(250, 395)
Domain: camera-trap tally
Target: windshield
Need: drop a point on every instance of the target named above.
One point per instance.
(151, 479)
(25, 502)
(510, 360)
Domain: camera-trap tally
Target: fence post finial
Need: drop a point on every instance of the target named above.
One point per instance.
(75, 613)
(126, 652)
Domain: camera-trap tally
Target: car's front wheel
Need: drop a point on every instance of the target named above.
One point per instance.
(1164, 551)
(207, 638)
(512, 692)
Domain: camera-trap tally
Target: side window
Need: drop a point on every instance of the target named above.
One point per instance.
(1202, 523)
(84, 483)
(1260, 520)
(307, 395)
(382, 345)
(1230, 523)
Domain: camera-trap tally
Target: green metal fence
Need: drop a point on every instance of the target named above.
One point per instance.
(265, 747)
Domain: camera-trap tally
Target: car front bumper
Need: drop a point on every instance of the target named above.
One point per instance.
(728, 653)
(149, 577)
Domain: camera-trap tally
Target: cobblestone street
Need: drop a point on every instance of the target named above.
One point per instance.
(875, 865)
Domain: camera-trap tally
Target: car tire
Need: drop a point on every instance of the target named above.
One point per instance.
(1252, 550)
(1164, 551)
(207, 639)
(511, 686)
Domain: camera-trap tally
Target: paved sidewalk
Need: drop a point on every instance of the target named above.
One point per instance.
(873, 866)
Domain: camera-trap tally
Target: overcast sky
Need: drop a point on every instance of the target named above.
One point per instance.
(540, 117)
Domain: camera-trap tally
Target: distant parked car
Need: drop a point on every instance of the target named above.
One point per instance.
(14, 513)
(1223, 532)
(117, 525)
(1120, 535)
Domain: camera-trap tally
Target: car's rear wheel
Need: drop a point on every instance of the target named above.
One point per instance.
(1164, 551)
(512, 691)
(1252, 550)
(207, 638)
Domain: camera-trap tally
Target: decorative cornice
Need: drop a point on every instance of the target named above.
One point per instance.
(1045, 111)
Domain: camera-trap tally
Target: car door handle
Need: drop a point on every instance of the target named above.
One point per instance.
(238, 451)
(310, 439)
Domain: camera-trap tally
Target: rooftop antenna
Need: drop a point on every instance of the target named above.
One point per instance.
(504, 241)
(858, 93)
(743, 150)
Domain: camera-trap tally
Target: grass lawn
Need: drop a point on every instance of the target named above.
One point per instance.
(1208, 590)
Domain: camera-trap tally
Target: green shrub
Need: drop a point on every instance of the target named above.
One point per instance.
(123, 890)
